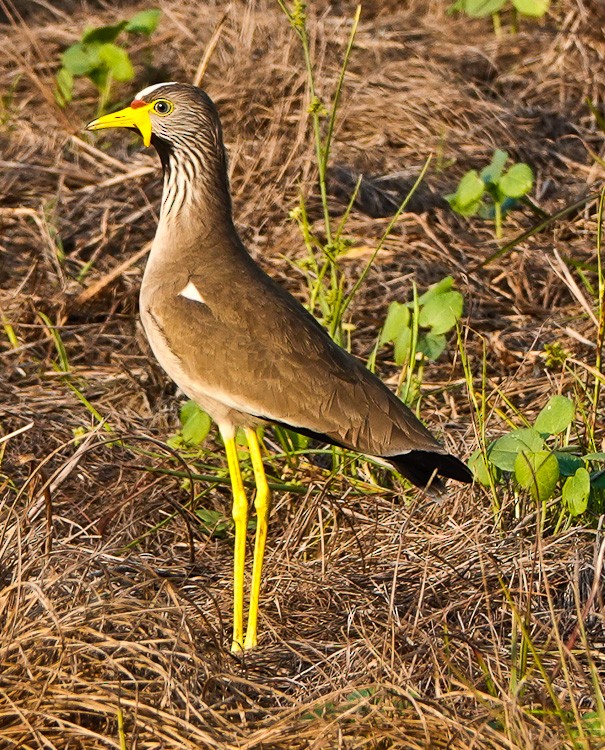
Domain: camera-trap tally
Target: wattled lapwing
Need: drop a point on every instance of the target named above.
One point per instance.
(237, 343)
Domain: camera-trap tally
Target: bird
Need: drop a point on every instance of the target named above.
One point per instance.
(241, 346)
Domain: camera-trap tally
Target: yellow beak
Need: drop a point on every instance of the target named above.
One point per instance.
(126, 118)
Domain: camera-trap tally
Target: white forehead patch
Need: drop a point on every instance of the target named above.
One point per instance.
(150, 89)
(191, 292)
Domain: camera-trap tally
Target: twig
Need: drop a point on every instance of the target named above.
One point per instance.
(94, 289)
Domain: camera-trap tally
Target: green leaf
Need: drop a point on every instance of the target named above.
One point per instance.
(398, 318)
(493, 171)
(431, 345)
(594, 457)
(597, 480)
(534, 8)
(195, 423)
(576, 491)
(213, 522)
(517, 182)
(480, 468)
(65, 85)
(103, 34)
(482, 8)
(442, 312)
(469, 190)
(446, 283)
(80, 59)
(568, 464)
(403, 346)
(117, 61)
(145, 22)
(556, 416)
(537, 472)
(503, 453)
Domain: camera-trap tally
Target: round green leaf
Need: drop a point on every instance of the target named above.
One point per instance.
(481, 8)
(441, 312)
(517, 182)
(403, 345)
(480, 468)
(431, 345)
(446, 283)
(503, 453)
(469, 190)
(80, 59)
(398, 318)
(117, 61)
(103, 34)
(145, 22)
(534, 8)
(576, 491)
(65, 84)
(568, 463)
(537, 472)
(195, 423)
(556, 416)
(493, 171)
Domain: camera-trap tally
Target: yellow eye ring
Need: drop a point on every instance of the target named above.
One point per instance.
(163, 107)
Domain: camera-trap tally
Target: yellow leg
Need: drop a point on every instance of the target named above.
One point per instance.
(261, 503)
(240, 517)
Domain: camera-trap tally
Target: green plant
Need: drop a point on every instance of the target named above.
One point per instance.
(492, 193)
(99, 58)
(418, 330)
(483, 8)
(195, 426)
(544, 465)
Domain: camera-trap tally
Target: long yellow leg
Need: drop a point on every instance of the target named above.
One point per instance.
(261, 504)
(240, 517)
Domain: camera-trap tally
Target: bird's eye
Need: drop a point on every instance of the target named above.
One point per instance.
(163, 107)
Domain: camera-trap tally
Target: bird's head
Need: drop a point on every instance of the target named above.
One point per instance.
(181, 121)
(167, 114)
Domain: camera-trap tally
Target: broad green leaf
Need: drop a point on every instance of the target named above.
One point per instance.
(597, 480)
(469, 190)
(441, 312)
(594, 457)
(65, 84)
(213, 522)
(117, 61)
(576, 491)
(505, 450)
(556, 416)
(517, 181)
(103, 34)
(195, 423)
(568, 464)
(493, 171)
(446, 283)
(402, 346)
(481, 8)
(80, 59)
(480, 468)
(537, 472)
(398, 318)
(469, 210)
(534, 8)
(145, 22)
(431, 345)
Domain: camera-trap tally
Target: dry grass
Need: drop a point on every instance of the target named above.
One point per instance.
(387, 622)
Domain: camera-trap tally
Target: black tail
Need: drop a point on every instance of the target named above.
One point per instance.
(422, 466)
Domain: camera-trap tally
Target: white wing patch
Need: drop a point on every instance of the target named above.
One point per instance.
(192, 292)
(151, 89)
